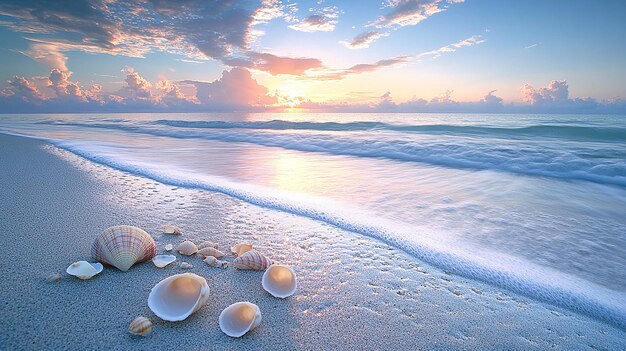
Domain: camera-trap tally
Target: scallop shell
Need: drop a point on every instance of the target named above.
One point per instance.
(140, 326)
(169, 247)
(240, 249)
(177, 297)
(252, 260)
(207, 244)
(211, 261)
(239, 318)
(187, 248)
(163, 260)
(122, 246)
(209, 251)
(172, 230)
(280, 281)
(84, 270)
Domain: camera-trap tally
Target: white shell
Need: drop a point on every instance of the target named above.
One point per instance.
(280, 281)
(84, 270)
(122, 246)
(185, 265)
(211, 261)
(140, 326)
(177, 297)
(169, 247)
(240, 249)
(172, 230)
(163, 260)
(207, 244)
(187, 248)
(239, 318)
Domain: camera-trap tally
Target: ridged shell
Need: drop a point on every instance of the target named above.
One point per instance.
(240, 249)
(211, 261)
(172, 230)
(122, 246)
(209, 251)
(252, 260)
(207, 244)
(140, 326)
(187, 248)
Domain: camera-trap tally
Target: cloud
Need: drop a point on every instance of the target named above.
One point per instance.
(324, 20)
(557, 91)
(410, 12)
(530, 46)
(280, 65)
(48, 54)
(364, 39)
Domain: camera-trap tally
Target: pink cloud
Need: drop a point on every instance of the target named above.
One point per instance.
(364, 40)
(283, 65)
(411, 12)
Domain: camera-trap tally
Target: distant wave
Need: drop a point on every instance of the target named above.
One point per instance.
(507, 272)
(596, 163)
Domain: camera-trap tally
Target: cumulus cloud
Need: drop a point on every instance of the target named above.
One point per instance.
(364, 40)
(410, 12)
(557, 91)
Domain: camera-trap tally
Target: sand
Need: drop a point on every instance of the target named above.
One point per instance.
(354, 292)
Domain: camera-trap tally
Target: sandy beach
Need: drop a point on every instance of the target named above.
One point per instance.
(354, 292)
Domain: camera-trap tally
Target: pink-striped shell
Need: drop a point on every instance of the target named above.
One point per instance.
(252, 260)
(122, 246)
(207, 244)
(187, 248)
(209, 251)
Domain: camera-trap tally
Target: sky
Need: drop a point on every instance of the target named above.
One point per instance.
(320, 55)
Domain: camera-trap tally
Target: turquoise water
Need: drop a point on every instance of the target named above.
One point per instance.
(535, 203)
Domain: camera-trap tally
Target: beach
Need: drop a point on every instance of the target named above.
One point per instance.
(354, 292)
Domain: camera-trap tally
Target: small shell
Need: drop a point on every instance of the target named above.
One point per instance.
(187, 248)
(122, 246)
(223, 264)
(54, 278)
(209, 251)
(207, 244)
(84, 270)
(177, 297)
(240, 249)
(172, 230)
(211, 261)
(169, 247)
(239, 318)
(185, 265)
(252, 260)
(280, 281)
(163, 260)
(140, 326)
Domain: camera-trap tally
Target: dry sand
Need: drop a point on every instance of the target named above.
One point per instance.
(354, 292)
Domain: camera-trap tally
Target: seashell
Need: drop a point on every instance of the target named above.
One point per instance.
(223, 264)
(187, 248)
(140, 326)
(185, 265)
(169, 247)
(122, 246)
(54, 278)
(209, 251)
(177, 297)
(239, 318)
(84, 270)
(211, 261)
(207, 244)
(240, 249)
(252, 260)
(279, 280)
(163, 260)
(172, 230)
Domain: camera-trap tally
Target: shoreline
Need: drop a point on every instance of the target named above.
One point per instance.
(55, 203)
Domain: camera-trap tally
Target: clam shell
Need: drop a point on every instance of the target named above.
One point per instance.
(169, 247)
(177, 297)
(163, 260)
(252, 260)
(240, 249)
(280, 281)
(122, 246)
(187, 248)
(239, 318)
(172, 230)
(207, 244)
(209, 251)
(211, 261)
(140, 326)
(84, 270)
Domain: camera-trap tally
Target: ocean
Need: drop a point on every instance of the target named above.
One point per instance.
(531, 203)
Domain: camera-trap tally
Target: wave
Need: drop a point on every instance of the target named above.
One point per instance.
(510, 273)
(598, 163)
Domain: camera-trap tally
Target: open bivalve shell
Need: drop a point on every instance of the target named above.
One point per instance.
(122, 246)
(252, 260)
(84, 270)
(280, 281)
(239, 318)
(172, 230)
(163, 260)
(177, 297)
(187, 248)
(240, 249)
